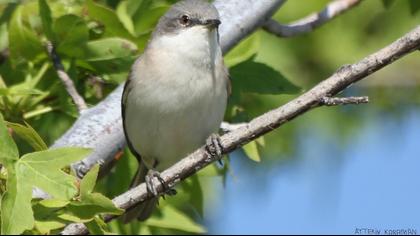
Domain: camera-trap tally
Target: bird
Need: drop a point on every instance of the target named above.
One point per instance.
(176, 94)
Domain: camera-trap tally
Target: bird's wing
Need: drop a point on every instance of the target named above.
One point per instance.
(145, 209)
(127, 89)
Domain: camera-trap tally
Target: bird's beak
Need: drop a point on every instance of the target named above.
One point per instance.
(212, 23)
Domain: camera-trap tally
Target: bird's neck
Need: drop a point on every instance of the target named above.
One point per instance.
(197, 46)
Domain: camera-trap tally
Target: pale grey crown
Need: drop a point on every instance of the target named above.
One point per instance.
(199, 12)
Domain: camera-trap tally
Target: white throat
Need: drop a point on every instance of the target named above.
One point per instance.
(197, 44)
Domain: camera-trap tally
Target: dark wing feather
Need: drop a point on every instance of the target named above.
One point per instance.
(228, 82)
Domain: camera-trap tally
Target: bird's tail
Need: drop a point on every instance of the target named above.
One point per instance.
(144, 209)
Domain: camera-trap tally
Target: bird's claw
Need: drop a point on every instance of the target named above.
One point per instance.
(213, 146)
(151, 188)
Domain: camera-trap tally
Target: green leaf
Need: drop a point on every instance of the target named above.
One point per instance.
(124, 16)
(4, 37)
(119, 179)
(387, 3)
(18, 91)
(251, 150)
(28, 87)
(7, 10)
(43, 170)
(91, 204)
(89, 207)
(172, 218)
(97, 227)
(109, 19)
(45, 227)
(114, 70)
(192, 186)
(28, 134)
(22, 41)
(109, 48)
(2, 83)
(39, 169)
(46, 19)
(255, 77)
(145, 230)
(261, 141)
(414, 6)
(72, 34)
(8, 148)
(16, 210)
(46, 215)
(4, 91)
(111, 57)
(243, 51)
(53, 203)
(148, 19)
(37, 112)
(73, 216)
(137, 7)
(88, 182)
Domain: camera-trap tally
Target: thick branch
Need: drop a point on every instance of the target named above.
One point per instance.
(269, 121)
(242, 17)
(65, 78)
(100, 127)
(329, 101)
(312, 21)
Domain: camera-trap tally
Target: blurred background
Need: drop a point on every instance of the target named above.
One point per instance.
(330, 171)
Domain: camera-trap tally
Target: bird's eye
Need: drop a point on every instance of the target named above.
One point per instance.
(185, 20)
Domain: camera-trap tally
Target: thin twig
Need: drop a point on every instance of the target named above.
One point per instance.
(329, 101)
(269, 121)
(65, 78)
(312, 21)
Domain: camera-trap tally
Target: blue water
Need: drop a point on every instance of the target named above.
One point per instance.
(372, 182)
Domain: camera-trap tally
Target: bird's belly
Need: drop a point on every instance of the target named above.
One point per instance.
(172, 120)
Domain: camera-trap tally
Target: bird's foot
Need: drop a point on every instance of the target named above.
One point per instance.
(214, 147)
(152, 188)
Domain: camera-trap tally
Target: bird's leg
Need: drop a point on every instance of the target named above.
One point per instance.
(214, 148)
(151, 187)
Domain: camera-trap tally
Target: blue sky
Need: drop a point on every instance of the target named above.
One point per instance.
(374, 182)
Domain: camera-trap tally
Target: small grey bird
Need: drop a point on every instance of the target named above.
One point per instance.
(176, 94)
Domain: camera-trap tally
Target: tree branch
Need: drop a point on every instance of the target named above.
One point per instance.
(311, 22)
(242, 17)
(228, 127)
(100, 127)
(344, 77)
(65, 78)
(329, 101)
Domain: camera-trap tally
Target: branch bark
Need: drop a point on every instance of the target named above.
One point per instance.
(100, 127)
(344, 77)
(228, 127)
(65, 78)
(311, 22)
(328, 101)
